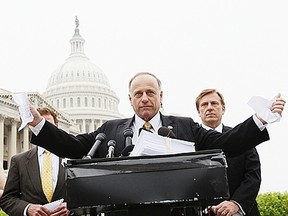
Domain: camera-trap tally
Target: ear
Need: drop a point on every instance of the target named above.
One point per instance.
(161, 96)
(130, 99)
(223, 110)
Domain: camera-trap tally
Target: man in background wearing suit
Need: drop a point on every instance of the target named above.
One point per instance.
(243, 172)
(23, 193)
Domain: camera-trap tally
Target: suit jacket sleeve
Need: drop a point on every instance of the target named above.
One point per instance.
(11, 199)
(234, 142)
(63, 144)
(245, 194)
(69, 146)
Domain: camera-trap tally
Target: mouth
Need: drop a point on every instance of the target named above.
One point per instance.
(210, 115)
(145, 107)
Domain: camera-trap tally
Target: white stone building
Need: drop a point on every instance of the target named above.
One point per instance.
(78, 91)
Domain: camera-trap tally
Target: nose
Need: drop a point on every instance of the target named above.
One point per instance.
(209, 106)
(144, 97)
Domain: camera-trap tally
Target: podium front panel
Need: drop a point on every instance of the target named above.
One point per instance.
(174, 179)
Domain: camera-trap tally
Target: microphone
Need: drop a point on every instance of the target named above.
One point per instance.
(128, 134)
(111, 146)
(127, 150)
(166, 132)
(98, 140)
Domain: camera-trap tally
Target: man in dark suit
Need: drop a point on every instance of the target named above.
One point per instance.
(23, 193)
(145, 95)
(244, 173)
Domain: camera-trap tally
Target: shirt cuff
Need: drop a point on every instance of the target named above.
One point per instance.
(36, 130)
(241, 211)
(25, 210)
(259, 124)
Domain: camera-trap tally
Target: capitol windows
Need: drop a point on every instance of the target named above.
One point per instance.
(86, 102)
(105, 104)
(93, 102)
(78, 102)
(71, 102)
(64, 102)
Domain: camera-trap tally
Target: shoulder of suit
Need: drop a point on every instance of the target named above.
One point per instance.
(177, 118)
(27, 153)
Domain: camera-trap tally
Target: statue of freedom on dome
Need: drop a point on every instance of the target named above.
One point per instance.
(77, 22)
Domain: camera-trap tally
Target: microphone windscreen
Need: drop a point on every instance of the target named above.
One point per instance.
(100, 136)
(128, 132)
(111, 143)
(166, 132)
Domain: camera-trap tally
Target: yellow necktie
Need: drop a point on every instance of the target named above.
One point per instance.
(46, 175)
(147, 126)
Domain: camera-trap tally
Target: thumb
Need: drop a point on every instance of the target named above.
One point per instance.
(278, 95)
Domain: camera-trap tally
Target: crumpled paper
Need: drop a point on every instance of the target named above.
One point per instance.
(262, 107)
(22, 100)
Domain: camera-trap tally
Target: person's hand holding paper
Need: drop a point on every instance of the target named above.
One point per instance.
(22, 100)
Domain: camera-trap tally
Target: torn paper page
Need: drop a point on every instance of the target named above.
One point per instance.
(262, 107)
(22, 100)
(152, 144)
(53, 205)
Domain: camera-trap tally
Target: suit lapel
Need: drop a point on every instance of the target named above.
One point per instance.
(167, 122)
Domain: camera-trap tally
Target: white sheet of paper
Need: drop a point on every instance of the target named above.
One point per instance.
(53, 205)
(154, 144)
(262, 107)
(22, 100)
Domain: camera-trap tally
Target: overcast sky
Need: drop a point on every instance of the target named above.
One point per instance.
(238, 47)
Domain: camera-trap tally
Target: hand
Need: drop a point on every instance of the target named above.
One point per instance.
(227, 208)
(37, 117)
(35, 209)
(278, 105)
(60, 210)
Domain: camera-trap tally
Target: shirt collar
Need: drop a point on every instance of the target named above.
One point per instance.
(155, 122)
(219, 128)
(40, 151)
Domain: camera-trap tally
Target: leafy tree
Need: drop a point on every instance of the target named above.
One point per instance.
(273, 204)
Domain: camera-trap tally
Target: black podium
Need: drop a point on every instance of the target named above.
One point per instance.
(153, 184)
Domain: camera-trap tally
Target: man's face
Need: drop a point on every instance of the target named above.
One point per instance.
(211, 110)
(145, 96)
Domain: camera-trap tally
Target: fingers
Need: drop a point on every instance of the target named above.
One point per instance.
(278, 105)
(226, 208)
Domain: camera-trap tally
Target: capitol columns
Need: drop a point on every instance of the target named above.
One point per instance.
(26, 138)
(12, 145)
(83, 126)
(91, 126)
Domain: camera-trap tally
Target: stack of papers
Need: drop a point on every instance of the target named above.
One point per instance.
(153, 144)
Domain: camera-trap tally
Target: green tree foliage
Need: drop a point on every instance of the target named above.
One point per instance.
(2, 213)
(273, 204)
